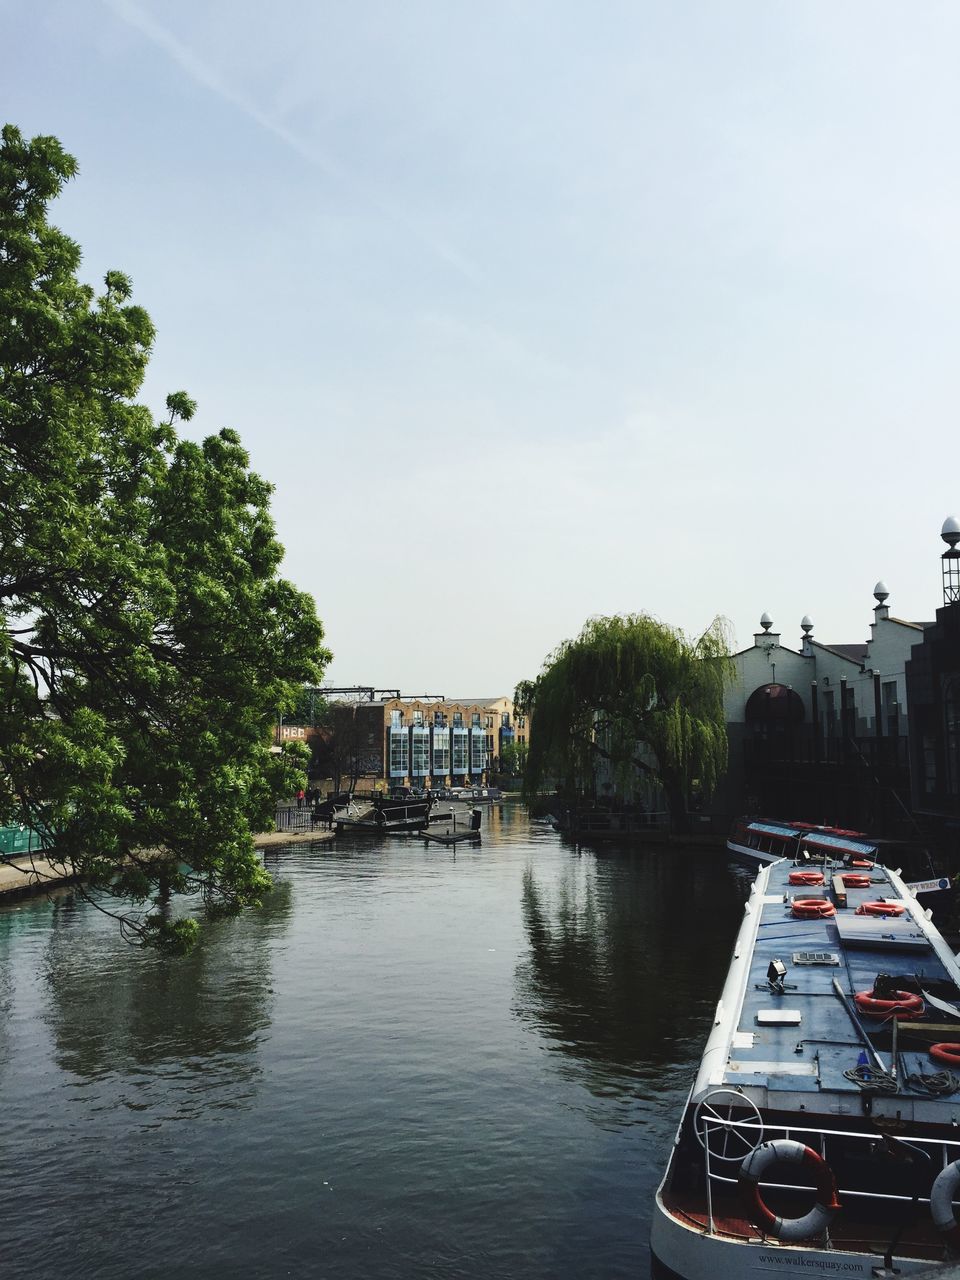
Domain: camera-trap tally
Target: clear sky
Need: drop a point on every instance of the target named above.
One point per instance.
(538, 310)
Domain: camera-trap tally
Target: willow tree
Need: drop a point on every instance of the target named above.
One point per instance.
(148, 640)
(634, 693)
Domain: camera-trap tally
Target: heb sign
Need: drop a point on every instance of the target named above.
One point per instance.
(929, 886)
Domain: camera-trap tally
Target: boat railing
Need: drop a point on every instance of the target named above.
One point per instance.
(752, 1132)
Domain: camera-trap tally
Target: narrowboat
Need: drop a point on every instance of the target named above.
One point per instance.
(821, 1135)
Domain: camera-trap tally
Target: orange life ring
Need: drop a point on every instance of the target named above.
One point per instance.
(855, 880)
(906, 1004)
(813, 908)
(880, 909)
(862, 862)
(809, 878)
(786, 1151)
(946, 1051)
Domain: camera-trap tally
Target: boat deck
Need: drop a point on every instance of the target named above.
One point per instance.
(802, 1040)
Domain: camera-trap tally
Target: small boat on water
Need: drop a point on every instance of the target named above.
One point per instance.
(760, 840)
(389, 814)
(821, 1135)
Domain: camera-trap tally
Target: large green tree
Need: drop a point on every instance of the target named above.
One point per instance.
(149, 641)
(637, 694)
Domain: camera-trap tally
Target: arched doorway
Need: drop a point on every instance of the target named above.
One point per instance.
(773, 714)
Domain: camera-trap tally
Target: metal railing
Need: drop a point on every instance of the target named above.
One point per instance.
(949, 1151)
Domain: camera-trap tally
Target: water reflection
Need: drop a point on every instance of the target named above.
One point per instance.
(622, 966)
(170, 1037)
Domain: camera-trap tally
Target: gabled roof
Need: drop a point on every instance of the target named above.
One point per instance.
(917, 626)
(782, 647)
(851, 652)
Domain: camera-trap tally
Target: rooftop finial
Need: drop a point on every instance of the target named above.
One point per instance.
(766, 622)
(950, 532)
(806, 626)
(880, 592)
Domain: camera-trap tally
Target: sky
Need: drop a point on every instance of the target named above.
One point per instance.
(537, 311)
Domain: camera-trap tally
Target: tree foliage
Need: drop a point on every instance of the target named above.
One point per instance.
(149, 640)
(634, 692)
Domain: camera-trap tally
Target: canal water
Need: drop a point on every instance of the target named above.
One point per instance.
(411, 1062)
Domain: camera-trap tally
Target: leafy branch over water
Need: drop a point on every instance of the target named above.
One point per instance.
(149, 640)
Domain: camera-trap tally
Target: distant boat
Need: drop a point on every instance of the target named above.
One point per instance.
(761, 841)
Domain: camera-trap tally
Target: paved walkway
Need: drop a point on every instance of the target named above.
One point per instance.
(268, 839)
(31, 874)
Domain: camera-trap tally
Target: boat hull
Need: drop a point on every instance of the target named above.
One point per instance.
(681, 1251)
(751, 856)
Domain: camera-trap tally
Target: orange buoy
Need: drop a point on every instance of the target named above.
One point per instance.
(946, 1051)
(855, 880)
(903, 1005)
(809, 878)
(880, 909)
(813, 908)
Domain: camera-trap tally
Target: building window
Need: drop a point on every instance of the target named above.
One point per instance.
(929, 752)
(475, 720)
(521, 722)
(441, 752)
(951, 708)
(505, 719)
(830, 713)
(461, 749)
(418, 718)
(421, 753)
(891, 709)
(478, 753)
(458, 719)
(439, 719)
(396, 719)
(399, 753)
(488, 722)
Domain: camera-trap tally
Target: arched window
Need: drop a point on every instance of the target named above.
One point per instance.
(774, 710)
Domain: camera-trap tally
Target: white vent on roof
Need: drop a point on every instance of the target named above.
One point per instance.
(815, 957)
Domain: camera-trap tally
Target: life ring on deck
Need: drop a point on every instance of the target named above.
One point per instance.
(944, 1188)
(787, 1151)
(862, 862)
(946, 1051)
(809, 878)
(905, 1004)
(813, 908)
(880, 909)
(855, 880)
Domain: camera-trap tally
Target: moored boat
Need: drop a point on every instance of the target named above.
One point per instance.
(822, 1131)
(759, 841)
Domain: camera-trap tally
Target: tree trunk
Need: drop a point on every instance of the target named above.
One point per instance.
(676, 797)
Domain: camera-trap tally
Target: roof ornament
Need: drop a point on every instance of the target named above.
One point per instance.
(880, 593)
(950, 560)
(766, 622)
(806, 626)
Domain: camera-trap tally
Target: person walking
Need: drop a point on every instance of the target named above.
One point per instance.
(300, 798)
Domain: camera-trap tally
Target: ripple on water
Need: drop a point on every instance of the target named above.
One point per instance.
(408, 1063)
